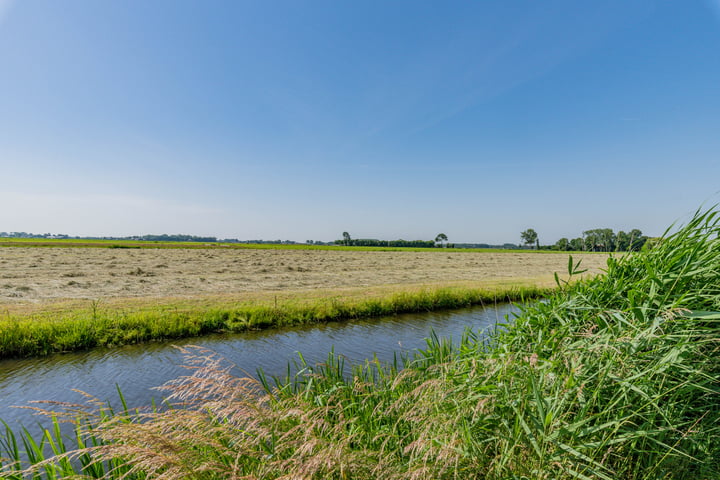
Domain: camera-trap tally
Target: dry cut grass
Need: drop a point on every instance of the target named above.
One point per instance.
(63, 299)
(35, 276)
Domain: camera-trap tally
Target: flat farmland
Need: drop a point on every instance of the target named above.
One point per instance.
(36, 276)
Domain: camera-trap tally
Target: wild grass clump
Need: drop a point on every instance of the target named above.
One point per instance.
(616, 377)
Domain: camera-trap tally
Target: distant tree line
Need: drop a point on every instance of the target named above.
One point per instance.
(372, 242)
(144, 238)
(33, 235)
(506, 246)
(594, 240)
(268, 242)
(175, 238)
(440, 241)
(604, 240)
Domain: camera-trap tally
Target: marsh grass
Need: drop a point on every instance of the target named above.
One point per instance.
(53, 454)
(615, 377)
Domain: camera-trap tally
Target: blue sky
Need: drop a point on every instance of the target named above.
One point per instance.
(303, 119)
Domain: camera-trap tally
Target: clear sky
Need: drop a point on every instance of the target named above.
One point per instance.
(387, 119)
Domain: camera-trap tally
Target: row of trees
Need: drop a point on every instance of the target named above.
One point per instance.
(178, 237)
(145, 238)
(605, 240)
(32, 235)
(594, 240)
(441, 240)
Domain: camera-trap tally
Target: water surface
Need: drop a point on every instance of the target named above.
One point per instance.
(136, 369)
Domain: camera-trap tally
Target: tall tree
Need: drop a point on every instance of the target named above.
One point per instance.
(577, 244)
(529, 237)
(600, 239)
(346, 238)
(637, 240)
(441, 239)
(562, 244)
(622, 242)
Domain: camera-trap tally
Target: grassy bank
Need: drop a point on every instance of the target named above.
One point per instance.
(96, 324)
(615, 377)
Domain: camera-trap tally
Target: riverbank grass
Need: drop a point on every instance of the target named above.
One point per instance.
(95, 324)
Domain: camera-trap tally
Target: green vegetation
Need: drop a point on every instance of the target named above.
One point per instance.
(530, 237)
(49, 332)
(143, 238)
(595, 240)
(191, 241)
(380, 247)
(100, 243)
(615, 377)
(603, 240)
(22, 447)
(440, 241)
(401, 244)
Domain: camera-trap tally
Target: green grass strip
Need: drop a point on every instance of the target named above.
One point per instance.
(36, 335)
(97, 243)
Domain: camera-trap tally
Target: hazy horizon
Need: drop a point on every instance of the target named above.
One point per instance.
(301, 120)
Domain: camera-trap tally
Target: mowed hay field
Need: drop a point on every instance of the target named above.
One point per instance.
(36, 276)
